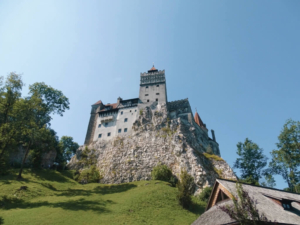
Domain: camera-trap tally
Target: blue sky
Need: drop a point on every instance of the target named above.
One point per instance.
(236, 61)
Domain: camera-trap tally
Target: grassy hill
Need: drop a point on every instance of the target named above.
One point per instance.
(54, 198)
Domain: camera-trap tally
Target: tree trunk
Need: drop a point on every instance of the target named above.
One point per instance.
(23, 162)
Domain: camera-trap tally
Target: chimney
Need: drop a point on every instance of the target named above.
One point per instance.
(213, 135)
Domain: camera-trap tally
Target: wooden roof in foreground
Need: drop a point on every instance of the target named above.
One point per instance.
(268, 202)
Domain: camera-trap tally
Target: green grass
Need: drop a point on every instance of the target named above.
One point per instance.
(54, 198)
(212, 156)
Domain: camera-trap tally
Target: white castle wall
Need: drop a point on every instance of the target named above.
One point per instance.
(111, 122)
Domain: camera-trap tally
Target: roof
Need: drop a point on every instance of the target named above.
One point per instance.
(272, 210)
(198, 120)
(153, 69)
(113, 106)
(97, 103)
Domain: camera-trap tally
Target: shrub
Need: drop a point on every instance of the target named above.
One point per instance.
(204, 195)
(161, 172)
(173, 181)
(86, 176)
(186, 187)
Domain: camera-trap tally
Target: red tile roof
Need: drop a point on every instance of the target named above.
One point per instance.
(113, 106)
(97, 103)
(153, 68)
(198, 120)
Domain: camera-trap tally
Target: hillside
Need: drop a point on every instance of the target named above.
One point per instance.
(54, 198)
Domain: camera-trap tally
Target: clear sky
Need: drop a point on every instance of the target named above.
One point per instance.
(236, 61)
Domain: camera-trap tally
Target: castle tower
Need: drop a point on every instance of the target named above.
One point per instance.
(153, 87)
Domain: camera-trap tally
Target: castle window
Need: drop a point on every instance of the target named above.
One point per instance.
(130, 110)
(106, 124)
(121, 112)
(157, 99)
(108, 134)
(125, 120)
(157, 85)
(135, 110)
(99, 125)
(148, 100)
(157, 93)
(146, 94)
(146, 86)
(119, 131)
(100, 135)
(125, 130)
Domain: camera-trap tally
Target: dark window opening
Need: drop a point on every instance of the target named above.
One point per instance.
(108, 134)
(106, 124)
(146, 86)
(125, 130)
(119, 131)
(157, 93)
(221, 196)
(146, 94)
(99, 125)
(148, 100)
(130, 110)
(125, 120)
(100, 135)
(157, 85)
(157, 99)
(122, 113)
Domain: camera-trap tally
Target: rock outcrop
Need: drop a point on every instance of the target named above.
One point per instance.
(155, 139)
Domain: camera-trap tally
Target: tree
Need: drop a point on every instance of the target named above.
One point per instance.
(251, 161)
(186, 187)
(286, 159)
(67, 148)
(244, 209)
(161, 172)
(35, 116)
(10, 93)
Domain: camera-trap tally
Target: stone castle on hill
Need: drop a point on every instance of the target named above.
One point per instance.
(110, 120)
(134, 135)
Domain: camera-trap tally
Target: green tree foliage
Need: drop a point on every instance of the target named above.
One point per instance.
(1, 220)
(244, 209)
(286, 159)
(205, 194)
(251, 161)
(10, 93)
(67, 148)
(161, 172)
(90, 175)
(186, 187)
(87, 158)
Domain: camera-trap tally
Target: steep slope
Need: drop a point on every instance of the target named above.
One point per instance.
(157, 139)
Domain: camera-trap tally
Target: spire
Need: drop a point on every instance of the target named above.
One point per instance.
(153, 69)
(198, 120)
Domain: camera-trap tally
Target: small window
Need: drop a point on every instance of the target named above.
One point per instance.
(119, 131)
(135, 110)
(157, 99)
(130, 110)
(100, 135)
(157, 85)
(146, 94)
(121, 112)
(125, 130)
(99, 125)
(108, 134)
(148, 100)
(106, 124)
(157, 93)
(125, 120)
(146, 86)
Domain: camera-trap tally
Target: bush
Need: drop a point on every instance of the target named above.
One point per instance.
(86, 176)
(161, 172)
(204, 195)
(186, 188)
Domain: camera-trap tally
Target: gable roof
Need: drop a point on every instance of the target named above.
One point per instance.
(265, 204)
(198, 120)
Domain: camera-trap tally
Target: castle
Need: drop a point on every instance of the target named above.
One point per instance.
(108, 121)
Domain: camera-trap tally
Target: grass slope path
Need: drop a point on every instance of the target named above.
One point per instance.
(54, 198)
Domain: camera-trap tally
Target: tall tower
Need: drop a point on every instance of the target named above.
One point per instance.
(153, 87)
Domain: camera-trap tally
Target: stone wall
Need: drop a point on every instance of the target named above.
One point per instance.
(155, 139)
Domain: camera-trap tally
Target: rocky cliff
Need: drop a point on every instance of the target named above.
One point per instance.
(155, 139)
